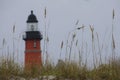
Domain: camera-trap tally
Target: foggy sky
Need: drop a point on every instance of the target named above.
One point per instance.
(61, 18)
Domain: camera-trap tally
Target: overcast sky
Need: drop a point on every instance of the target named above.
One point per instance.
(61, 18)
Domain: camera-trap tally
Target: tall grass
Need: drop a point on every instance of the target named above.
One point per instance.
(8, 68)
(68, 68)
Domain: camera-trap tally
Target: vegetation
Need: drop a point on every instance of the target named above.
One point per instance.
(63, 71)
(68, 68)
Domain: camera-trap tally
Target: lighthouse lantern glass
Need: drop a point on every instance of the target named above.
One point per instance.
(32, 26)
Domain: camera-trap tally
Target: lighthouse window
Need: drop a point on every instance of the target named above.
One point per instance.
(32, 27)
(34, 43)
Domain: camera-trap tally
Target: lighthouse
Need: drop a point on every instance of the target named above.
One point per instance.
(32, 38)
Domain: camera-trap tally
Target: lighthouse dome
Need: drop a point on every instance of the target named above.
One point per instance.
(32, 18)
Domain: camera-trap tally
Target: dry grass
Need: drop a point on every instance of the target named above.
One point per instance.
(69, 68)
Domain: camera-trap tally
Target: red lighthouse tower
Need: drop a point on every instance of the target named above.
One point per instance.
(32, 39)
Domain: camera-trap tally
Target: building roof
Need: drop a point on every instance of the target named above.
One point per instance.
(32, 18)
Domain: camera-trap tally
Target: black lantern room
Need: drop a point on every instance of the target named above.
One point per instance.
(32, 31)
